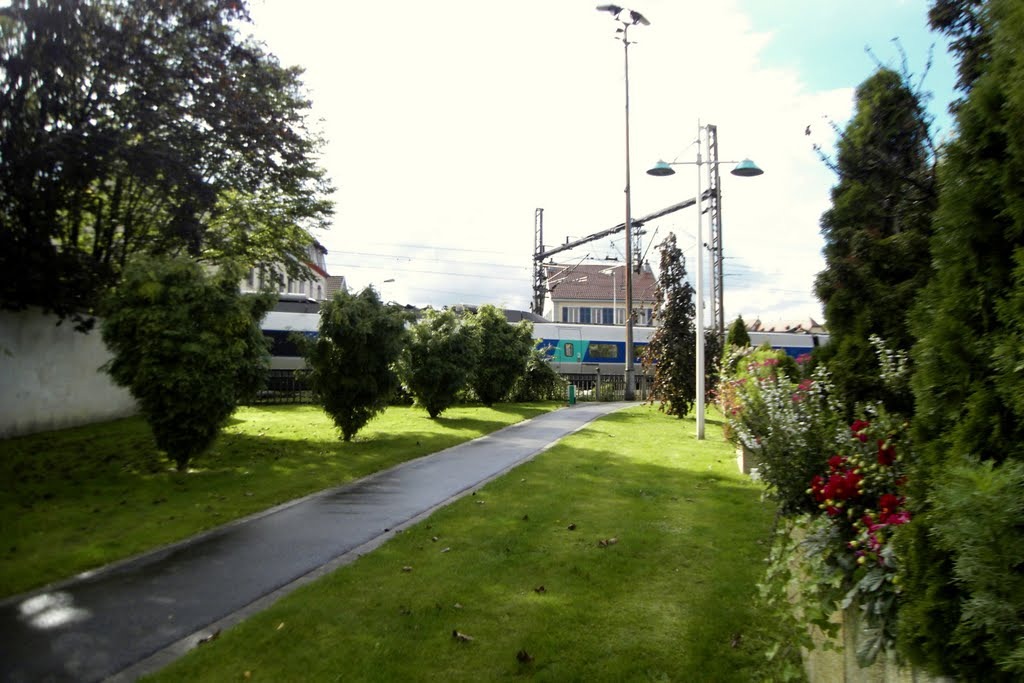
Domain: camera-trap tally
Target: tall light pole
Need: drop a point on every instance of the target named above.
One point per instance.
(627, 18)
(745, 168)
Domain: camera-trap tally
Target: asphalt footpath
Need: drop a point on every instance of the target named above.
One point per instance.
(131, 618)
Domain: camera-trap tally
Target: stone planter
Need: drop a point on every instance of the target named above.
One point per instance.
(746, 459)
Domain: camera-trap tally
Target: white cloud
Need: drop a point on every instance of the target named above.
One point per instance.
(448, 124)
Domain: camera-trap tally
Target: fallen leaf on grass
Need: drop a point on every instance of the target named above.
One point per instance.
(735, 642)
(444, 550)
(280, 626)
(407, 568)
(434, 539)
(605, 542)
(247, 675)
(572, 527)
(457, 606)
(524, 657)
(540, 589)
(213, 636)
(461, 637)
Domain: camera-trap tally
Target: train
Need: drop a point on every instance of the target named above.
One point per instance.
(582, 349)
(572, 349)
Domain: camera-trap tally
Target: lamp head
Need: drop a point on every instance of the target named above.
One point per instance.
(663, 168)
(746, 169)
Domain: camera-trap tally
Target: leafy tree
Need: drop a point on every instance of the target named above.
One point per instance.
(961, 20)
(672, 349)
(187, 345)
(352, 362)
(437, 360)
(540, 382)
(144, 126)
(738, 335)
(876, 235)
(504, 352)
(963, 607)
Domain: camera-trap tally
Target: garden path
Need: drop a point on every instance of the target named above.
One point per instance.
(134, 617)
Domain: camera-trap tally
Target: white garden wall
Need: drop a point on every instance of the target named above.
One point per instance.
(50, 376)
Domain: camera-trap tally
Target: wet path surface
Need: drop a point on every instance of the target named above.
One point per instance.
(101, 624)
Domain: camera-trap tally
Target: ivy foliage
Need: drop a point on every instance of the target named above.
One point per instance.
(505, 351)
(969, 415)
(187, 345)
(145, 126)
(439, 355)
(352, 361)
(876, 232)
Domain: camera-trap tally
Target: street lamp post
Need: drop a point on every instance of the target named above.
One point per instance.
(745, 168)
(627, 18)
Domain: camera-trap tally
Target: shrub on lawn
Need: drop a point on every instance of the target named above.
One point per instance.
(540, 382)
(504, 352)
(437, 360)
(352, 360)
(187, 345)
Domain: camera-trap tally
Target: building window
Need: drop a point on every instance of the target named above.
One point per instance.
(584, 316)
(319, 293)
(620, 316)
(570, 314)
(607, 316)
(250, 279)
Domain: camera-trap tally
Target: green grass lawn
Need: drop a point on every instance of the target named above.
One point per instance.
(672, 598)
(79, 498)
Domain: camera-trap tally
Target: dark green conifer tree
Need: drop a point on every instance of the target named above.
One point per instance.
(876, 234)
(672, 348)
(963, 604)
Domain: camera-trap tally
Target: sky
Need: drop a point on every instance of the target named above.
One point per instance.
(448, 124)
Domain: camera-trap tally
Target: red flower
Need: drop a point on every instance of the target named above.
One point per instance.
(886, 453)
(887, 505)
(858, 428)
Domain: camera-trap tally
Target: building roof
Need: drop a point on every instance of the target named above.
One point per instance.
(594, 282)
(332, 284)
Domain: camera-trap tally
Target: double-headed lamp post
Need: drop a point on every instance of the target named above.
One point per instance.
(627, 18)
(745, 168)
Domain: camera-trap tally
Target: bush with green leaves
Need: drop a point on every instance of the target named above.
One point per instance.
(790, 427)
(540, 382)
(439, 355)
(352, 362)
(187, 345)
(504, 352)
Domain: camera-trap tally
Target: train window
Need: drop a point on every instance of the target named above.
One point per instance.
(568, 350)
(603, 350)
(639, 350)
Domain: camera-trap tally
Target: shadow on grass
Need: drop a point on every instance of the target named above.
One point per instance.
(671, 599)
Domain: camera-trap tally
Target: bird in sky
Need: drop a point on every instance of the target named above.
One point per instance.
(626, 16)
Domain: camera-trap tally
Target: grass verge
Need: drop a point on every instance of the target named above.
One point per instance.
(80, 498)
(527, 568)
